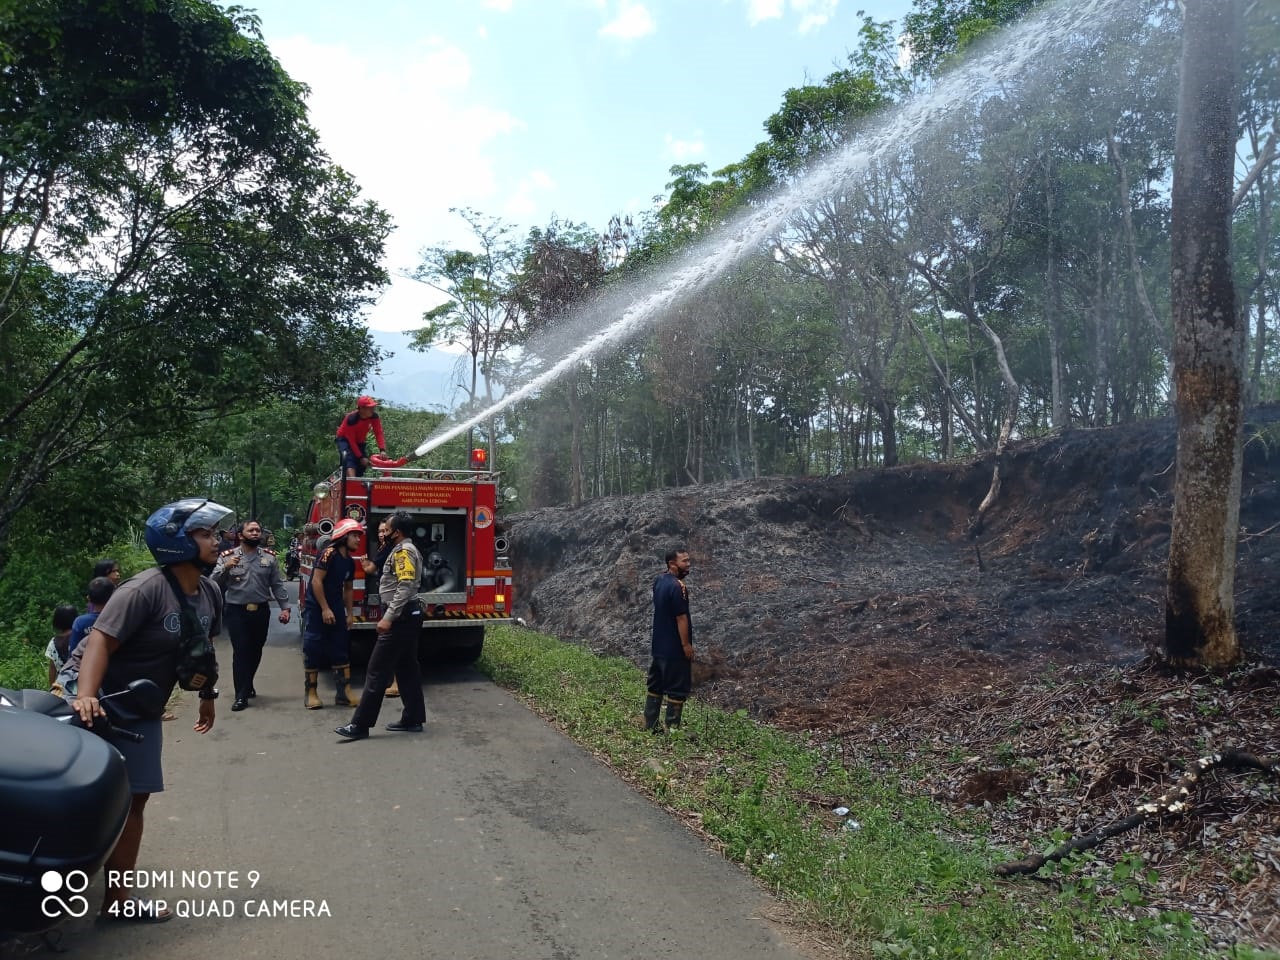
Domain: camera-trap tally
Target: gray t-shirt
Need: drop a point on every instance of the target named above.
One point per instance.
(145, 616)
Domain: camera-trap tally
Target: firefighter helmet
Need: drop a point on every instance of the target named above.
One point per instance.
(168, 530)
(343, 528)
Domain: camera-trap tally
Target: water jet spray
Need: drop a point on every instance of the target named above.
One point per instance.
(1040, 38)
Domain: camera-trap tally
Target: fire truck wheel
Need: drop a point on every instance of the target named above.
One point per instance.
(451, 645)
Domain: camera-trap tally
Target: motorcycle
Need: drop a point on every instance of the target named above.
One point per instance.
(292, 563)
(64, 798)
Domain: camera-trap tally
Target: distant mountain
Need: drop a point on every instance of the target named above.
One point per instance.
(412, 379)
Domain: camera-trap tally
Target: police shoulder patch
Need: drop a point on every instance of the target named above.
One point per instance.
(405, 568)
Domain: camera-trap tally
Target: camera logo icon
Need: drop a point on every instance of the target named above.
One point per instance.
(73, 884)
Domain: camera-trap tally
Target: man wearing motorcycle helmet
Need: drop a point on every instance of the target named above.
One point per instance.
(352, 433)
(138, 635)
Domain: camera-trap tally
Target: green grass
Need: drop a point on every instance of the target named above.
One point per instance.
(22, 662)
(902, 884)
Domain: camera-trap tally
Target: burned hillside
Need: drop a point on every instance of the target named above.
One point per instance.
(1015, 668)
(819, 591)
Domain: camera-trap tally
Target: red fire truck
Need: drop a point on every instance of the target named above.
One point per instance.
(466, 579)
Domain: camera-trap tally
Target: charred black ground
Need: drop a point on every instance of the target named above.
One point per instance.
(856, 607)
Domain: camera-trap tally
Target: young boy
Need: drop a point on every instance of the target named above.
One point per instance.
(60, 644)
(100, 590)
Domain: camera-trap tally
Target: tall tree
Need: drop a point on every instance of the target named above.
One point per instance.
(560, 267)
(1208, 345)
(174, 244)
(477, 315)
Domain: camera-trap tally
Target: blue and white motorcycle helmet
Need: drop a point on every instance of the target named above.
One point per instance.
(169, 529)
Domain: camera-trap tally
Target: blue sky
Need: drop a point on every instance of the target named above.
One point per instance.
(525, 109)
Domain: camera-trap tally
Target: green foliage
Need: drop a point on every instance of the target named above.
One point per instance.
(474, 317)
(47, 570)
(176, 246)
(890, 884)
(939, 30)
(1023, 228)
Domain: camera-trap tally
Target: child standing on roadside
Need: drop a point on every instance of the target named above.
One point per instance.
(64, 617)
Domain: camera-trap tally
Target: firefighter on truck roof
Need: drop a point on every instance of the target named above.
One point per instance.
(353, 434)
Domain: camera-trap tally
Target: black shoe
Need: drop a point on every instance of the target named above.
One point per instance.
(401, 727)
(351, 731)
(252, 693)
(240, 704)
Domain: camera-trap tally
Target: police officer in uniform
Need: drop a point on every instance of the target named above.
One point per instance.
(395, 654)
(249, 577)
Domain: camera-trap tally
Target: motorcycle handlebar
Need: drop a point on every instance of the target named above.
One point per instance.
(104, 728)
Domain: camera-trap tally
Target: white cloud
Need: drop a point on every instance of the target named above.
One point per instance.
(812, 14)
(413, 141)
(759, 11)
(523, 204)
(682, 151)
(632, 22)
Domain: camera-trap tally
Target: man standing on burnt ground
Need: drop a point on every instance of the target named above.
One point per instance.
(249, 577)
(671, 672)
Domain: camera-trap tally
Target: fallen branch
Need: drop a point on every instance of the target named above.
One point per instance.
(1261, 533)
(1174, 801)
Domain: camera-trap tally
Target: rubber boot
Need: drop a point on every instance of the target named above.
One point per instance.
(652, 710)
(313, 697)
(674, 709)
(345, 697)
(393, 690)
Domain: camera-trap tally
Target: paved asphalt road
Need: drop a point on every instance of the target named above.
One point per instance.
(489, 836)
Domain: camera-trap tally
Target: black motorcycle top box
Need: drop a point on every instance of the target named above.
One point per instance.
(64, 796)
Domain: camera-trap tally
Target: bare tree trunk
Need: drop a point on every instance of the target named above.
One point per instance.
(1011, 395)
(888, 429)
(979, 403)
(949, 441)
(737, 439)
(575, 456)
(692, 449)
(951, 401)
(1053, 315)
(1101, 344)
(1208, 346)
(1264, 230)
(1135, 265)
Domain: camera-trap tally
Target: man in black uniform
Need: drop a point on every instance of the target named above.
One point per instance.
(249, 577)
(671, 671)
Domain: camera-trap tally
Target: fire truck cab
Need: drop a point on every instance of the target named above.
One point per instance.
(466, 577)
